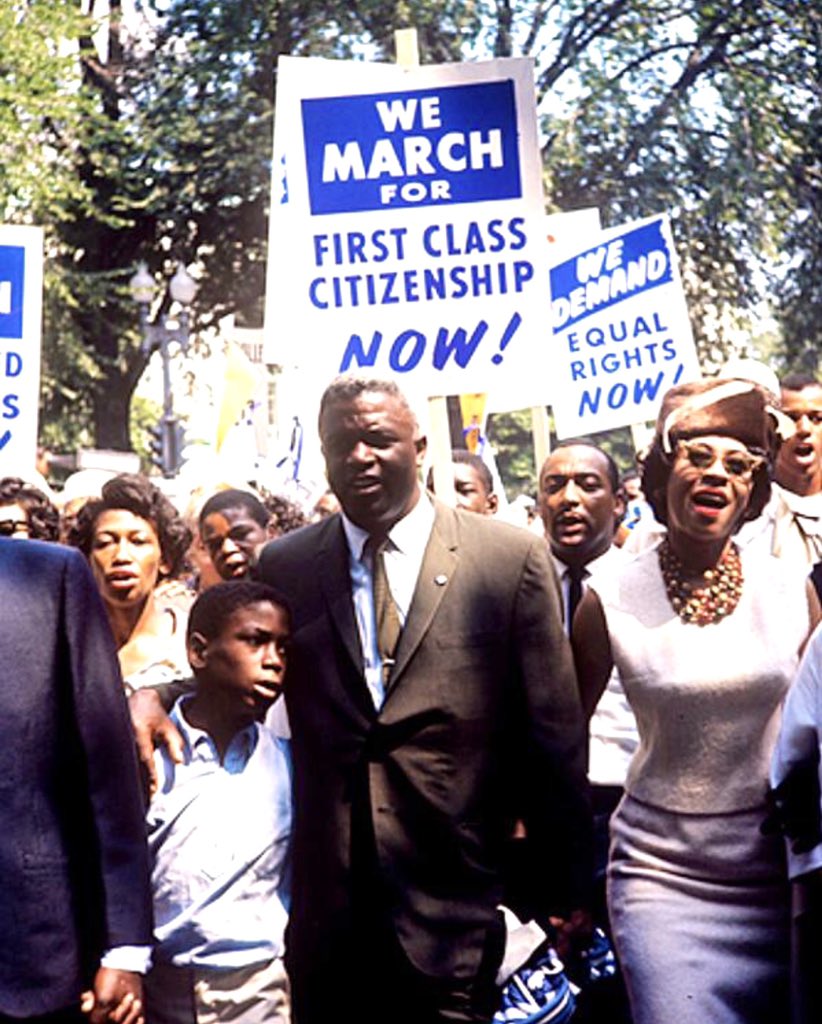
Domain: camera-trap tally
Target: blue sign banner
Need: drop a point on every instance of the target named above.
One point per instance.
(631, 264)
(423, 147)
(12, 273)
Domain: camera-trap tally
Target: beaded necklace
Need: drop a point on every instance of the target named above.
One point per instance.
(702, 605)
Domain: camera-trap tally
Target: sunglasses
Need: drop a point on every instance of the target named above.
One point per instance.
(736, 463)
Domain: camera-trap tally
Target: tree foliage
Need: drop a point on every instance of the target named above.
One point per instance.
(158, 148)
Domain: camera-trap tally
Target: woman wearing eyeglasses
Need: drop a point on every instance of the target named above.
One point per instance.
(706, 641)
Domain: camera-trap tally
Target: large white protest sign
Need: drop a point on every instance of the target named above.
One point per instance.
(621, 333)
(406, 233)
(21, 291)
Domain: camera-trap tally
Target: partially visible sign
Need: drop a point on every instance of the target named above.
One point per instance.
(407, 228)
(622, 336)
(21, 288)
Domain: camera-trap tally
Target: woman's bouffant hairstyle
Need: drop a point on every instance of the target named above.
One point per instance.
(138, 495)
(41, 514)
(737, 410)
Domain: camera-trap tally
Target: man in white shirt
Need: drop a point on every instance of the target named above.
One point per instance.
(790, 526)
(581, 504)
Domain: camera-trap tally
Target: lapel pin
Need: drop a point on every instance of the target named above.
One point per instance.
(441, 580)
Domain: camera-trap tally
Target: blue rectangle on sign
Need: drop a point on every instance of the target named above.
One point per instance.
(12, 272)
(611, 272)
(454, 144)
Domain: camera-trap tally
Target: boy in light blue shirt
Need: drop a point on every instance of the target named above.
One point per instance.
(219, 825)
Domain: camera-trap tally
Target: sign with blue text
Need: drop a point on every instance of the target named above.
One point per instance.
(407, 229)
(621, 332)
(21, 297)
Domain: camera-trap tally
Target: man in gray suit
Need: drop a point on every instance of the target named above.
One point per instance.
(414, 756)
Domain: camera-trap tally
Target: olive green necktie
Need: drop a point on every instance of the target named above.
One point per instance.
(386, 613)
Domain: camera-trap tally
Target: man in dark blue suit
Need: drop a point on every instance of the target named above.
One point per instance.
(73, 865)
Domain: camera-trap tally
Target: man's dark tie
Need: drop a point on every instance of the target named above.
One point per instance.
(386, 612)
(575, 574)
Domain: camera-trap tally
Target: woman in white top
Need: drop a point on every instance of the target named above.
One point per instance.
(706, 643)
(134, 539)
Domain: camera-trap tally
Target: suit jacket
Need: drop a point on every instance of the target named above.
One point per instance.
(73, 863)
(481, 724)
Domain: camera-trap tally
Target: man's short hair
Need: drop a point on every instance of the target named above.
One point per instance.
(347, 388)
(466, 458)
(232, 498)
(582, 442)
(798, 381)
(215, 606)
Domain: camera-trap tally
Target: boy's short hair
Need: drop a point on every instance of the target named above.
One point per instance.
(233, 498)
(215, 606)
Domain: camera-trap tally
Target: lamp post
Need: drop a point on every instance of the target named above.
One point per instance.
(182, 289)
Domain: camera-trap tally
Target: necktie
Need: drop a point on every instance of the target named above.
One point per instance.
(386, 613)
(575, 574)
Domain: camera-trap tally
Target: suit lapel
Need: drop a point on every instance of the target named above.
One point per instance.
(334, 574)
(438, 565)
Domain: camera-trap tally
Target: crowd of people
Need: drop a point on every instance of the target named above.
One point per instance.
(517, 775)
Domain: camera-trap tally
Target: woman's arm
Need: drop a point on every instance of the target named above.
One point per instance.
(592, 650)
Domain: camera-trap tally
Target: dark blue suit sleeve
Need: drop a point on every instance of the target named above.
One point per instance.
(107, 742)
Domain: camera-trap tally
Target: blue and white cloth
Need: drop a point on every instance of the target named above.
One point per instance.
(219, 837)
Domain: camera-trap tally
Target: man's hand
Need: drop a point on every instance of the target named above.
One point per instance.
(794, 807)
(573, 933)
(153, 728)
(116, 996)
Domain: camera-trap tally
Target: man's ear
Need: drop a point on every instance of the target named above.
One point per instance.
(272, 528)
(620, 506)
(492, 504)
(421, 446)
(197, 646)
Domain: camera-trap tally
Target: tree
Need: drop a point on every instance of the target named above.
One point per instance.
(710, 111)
(162, 151)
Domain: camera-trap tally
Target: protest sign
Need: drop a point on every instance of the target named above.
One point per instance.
(21, 288)
(406, 232)
(621, 332)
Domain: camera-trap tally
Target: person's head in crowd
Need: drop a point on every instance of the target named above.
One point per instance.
(373, 451)
(80, 487)
(133, 537)
(285, 515)
(632, 485)
(581, 501)
(326, 505)
(473, 483)
(237, 640)
(707, 470)
(799, 460)
(234, 524)
(25, 512)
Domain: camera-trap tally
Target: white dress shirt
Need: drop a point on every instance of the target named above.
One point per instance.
(403, 555)
(612, 731)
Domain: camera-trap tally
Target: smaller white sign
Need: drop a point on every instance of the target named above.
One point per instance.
(21, 303)
(621, 332)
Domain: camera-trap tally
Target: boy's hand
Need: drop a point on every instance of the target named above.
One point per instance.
(117, 996)
(153, 728)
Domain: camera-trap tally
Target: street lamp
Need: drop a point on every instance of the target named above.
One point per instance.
(182, 289)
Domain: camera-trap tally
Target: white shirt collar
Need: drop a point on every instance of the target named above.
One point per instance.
(409, 534)
(613, 554)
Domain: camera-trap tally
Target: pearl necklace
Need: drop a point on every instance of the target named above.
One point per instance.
(709, 603)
